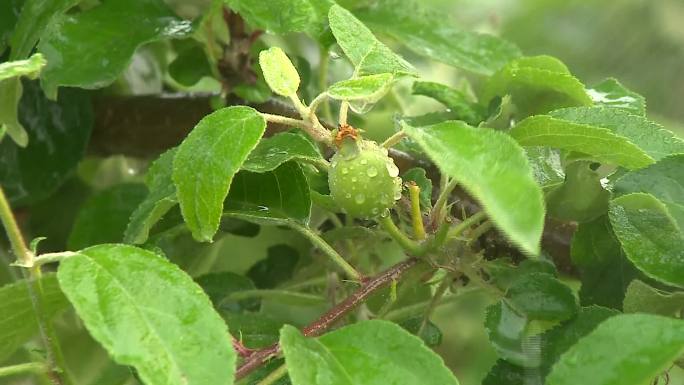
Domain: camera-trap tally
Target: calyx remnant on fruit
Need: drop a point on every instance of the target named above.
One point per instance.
(363, 179)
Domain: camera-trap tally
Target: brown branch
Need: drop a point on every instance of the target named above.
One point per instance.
(329, 319)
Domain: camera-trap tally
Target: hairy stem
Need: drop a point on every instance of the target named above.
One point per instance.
(439, 210)
(317, 133)
(394, 139)
(327, 320)
(274, 375)
(21, 251)
(405, 242)
(466, 224)
(29, 367)
(329, 251)
(344, 111)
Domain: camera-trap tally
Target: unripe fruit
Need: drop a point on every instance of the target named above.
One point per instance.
(363, 179)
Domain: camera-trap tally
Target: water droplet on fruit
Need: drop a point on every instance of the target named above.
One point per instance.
(364, 161)
(384, 199)
(372, 171)
(375, 211)
(354, 179)
(345, 171)
(392, 169)
(347, 195)
(359, 198)
(385, 214)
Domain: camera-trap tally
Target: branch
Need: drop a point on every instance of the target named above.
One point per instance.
(329, 319)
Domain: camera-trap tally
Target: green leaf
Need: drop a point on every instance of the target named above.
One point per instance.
(365, 51)
(611, 93)
(58, 133)
(546, 166)
(77, 57)
(650, 137)
(369, 353)
(507, 330)
(116, 205)
(11, 89)
(279, 72)
(206, 162)
(647, 345)
(9, 13)
(505, 373)
(650, 236)
(272, 198)
(191, 64)
(272, 152)
(455, 100)
(18, 323)
(600, 143)
(425, 329)
(492, 168)
(30, 67)
(149, 314)
(368, 88)
(435, 35)
(159, 200)
(254, 330)
(540, 296)
(418, 176)
(32, 22)
(276, 269)
(605, 271)
(219, 287)
(581, 197)
(284, 16)
(538, 84)
(642, 298)
(664, 180)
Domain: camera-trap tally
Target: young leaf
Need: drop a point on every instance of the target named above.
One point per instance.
(272, 152)
(368, 88)
(540, 296)
(58, 133)
(206, 161)
(116, 204)
(642, 298)
(272, 198)
(611, 93)
(664, 180)
(367, 53)
(18, 323)
(537, 84)
(433, 34)
(30, 67)
(453, 99)
(493, 168)
(279, 72)
(601, 143)
(647, 345)
(369, 353)
(651, 137)
(147, 313)
(77, 57)
(160, 199)
(34, 18)
(650, 236)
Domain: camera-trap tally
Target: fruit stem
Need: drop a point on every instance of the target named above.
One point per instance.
(466, 224)
(405, 242)
(329, 251)
(36, 367)
(416, 215)
(344, 110)
(394, 139)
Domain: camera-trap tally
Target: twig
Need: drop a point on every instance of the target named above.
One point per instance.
(394, 139)
(35, 367)
(274, 375)
(327, 320)
(241, 349)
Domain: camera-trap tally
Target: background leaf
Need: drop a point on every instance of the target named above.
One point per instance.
(78, 57)
(540, 296)
(148, 314)
(648, 344)
(642, 298)
(455, 100)
(34, 18)
(581, 197)
(492, 168)
(284, 16)
(279, 72)
(650, 236)
(611, 93)
(206, 162)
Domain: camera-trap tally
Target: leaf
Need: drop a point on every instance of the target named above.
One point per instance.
(492, 168)
(367, 88)
(425, 329)
(418, 176)
(546, 166)
(206, 162)
(365, 51)
(455, 100)
(159, 200)
(272, 152)
(505, 373)
(506, 330)
(650, 137)
(276, 269)
(540, 296)
(434, 35)
(611, 93)
(647, 345)
(11, 89)
(219, 287)
(77, 57)
(600, 143)
(254, 330)
(58, 133)
(369, 353)
(279, 72)
(664, 180)
(642, 298)
(30, 67)
(650, 236)
(538, 84)
(147, 313)
(284, 16)
(9, 13)
(271, 198)
(34, 18)
(18, 323)
(191, 64)
(581, 197)
(103, 217)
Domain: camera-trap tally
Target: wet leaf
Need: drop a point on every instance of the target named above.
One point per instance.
(272, 152)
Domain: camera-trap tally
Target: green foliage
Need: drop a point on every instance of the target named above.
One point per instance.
(279, 72)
